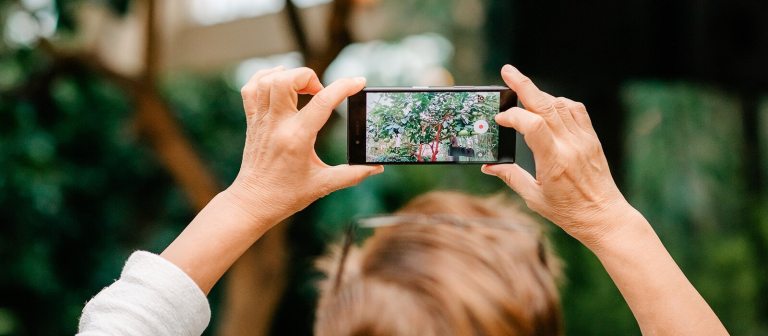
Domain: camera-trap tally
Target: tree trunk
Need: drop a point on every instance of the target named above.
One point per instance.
(255, 285)
(157, 124)
(436, 146)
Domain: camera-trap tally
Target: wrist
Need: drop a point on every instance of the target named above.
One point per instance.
(255, 202)
(219, 234)
(620, 227)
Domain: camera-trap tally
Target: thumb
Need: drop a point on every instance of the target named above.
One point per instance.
(515, 177)
(320, 107)
(344, 176)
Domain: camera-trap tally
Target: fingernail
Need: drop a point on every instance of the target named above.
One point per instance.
(377, 170)
(507, 68)
(484, 169)
(359, 80)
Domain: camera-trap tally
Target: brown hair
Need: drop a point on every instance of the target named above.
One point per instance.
(446, 279)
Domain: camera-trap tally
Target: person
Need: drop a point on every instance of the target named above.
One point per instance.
(281, 174)
(446, 263)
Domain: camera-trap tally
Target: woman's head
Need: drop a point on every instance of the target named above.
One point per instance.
(433, 279)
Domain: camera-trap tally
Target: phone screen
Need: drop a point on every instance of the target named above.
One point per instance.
(430, 125)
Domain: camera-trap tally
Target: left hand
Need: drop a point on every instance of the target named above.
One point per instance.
(573, 186)
(281, 172)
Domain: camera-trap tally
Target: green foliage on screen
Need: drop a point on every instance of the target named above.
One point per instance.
(400, 126)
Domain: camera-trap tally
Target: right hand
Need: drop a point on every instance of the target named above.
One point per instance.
(281, 172)
(573, 186)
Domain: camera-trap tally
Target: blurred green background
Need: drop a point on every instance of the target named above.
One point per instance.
(120, 118)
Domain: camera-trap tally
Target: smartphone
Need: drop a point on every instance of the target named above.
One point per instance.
(429, 125)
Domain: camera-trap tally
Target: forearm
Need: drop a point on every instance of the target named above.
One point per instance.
(662, 299)
(215, 239)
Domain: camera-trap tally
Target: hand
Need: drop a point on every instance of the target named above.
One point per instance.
(573, 186)
(281, 172)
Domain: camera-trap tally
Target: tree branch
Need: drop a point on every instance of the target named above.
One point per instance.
(151, 54)
(339, 35)
(155, 120)
(297, 27)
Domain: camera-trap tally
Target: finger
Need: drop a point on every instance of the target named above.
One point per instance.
(249, 91)
(533, 99)
(580, 115)
(316, 113)
(344, 176)
(526, 90)
(536, 132)
(286, 86)
(516, 178)
(264, 90)
(312, 88)
(563, 107)
(300, 80)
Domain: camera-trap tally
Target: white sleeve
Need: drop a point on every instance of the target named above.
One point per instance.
(152, 297)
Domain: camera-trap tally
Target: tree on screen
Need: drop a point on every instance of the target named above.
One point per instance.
(412, 126)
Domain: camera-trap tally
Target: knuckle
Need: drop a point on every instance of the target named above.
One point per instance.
(305, 70)
(321, 102)
(544, 104)
(247, 91)
(578, 107)
(557, 169)
(262, 72)
(560, 103)
(282, 82)
(507, 177)
(255, 77)
(594, 149)
(525, 80)
(265, 82)
(538, 124)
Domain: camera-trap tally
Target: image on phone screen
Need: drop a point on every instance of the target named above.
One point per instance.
(431, 126)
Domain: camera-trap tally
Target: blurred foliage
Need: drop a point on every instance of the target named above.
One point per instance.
(78, 192)
(685, 156)
(67, 10)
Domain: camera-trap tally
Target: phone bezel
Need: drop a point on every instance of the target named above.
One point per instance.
(356, 124)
